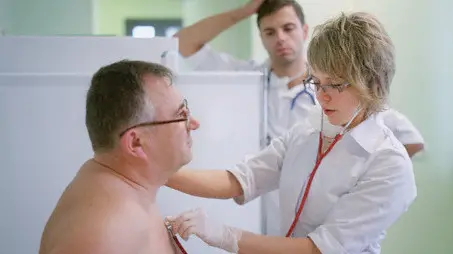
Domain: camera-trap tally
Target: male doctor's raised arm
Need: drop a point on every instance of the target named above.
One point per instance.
(194, 39)
(404, 130)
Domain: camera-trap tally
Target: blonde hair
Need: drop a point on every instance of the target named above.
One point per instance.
(357, 49)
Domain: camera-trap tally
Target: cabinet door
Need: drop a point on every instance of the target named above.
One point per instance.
(44, 142)
(229, 109)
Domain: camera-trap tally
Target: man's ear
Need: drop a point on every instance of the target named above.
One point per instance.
(305, 29)
(132, 144)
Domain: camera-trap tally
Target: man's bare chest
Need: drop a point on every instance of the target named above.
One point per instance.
(160, 241)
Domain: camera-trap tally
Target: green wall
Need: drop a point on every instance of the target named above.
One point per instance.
(5, 16)
(237, 40)
(421, 90)
(111, 15)
(46, 17)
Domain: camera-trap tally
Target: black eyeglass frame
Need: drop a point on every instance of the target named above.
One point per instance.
(154, 123)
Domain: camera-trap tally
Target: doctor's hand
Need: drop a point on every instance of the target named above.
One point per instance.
(214, 234)
(252, 6)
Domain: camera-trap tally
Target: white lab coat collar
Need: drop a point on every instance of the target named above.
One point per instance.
(361, 133)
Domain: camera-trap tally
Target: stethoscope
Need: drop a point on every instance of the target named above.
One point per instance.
(320, 156)
(293, 100)
(174, 237)
(267, 87)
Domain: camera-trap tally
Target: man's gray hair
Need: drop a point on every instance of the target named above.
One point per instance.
(117, 99)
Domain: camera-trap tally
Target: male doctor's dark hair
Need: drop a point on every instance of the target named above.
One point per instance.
(269, 7)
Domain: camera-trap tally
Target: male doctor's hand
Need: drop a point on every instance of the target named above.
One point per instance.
(214, 234)
(252, 6)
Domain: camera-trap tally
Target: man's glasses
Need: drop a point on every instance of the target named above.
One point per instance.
(185, 118)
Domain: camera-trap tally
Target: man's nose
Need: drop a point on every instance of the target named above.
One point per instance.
(281, 35)
(193, 124)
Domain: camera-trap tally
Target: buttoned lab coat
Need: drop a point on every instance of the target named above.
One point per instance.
(361, 187)
(280, 115)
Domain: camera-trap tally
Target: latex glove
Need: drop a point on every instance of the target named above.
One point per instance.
(215, 234)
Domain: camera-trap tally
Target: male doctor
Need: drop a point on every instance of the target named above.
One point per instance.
(283, 32)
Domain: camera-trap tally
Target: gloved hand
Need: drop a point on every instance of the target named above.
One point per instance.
(215, 234)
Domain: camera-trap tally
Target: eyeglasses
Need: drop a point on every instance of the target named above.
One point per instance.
(329, 88)
(186, 118)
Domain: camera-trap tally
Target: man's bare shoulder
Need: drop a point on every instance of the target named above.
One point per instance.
(95, 217)
(102, 229)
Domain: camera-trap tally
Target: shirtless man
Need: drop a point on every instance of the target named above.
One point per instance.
(139, 127)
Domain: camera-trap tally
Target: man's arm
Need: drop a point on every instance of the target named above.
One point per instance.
(413, 149)
(404, 130)
(193, 37)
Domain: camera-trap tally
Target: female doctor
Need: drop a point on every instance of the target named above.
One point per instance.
(343, 181)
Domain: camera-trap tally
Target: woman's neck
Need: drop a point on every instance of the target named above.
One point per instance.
(358, 119)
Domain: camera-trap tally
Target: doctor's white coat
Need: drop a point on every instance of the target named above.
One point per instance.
(281, 117)
(361, 188)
